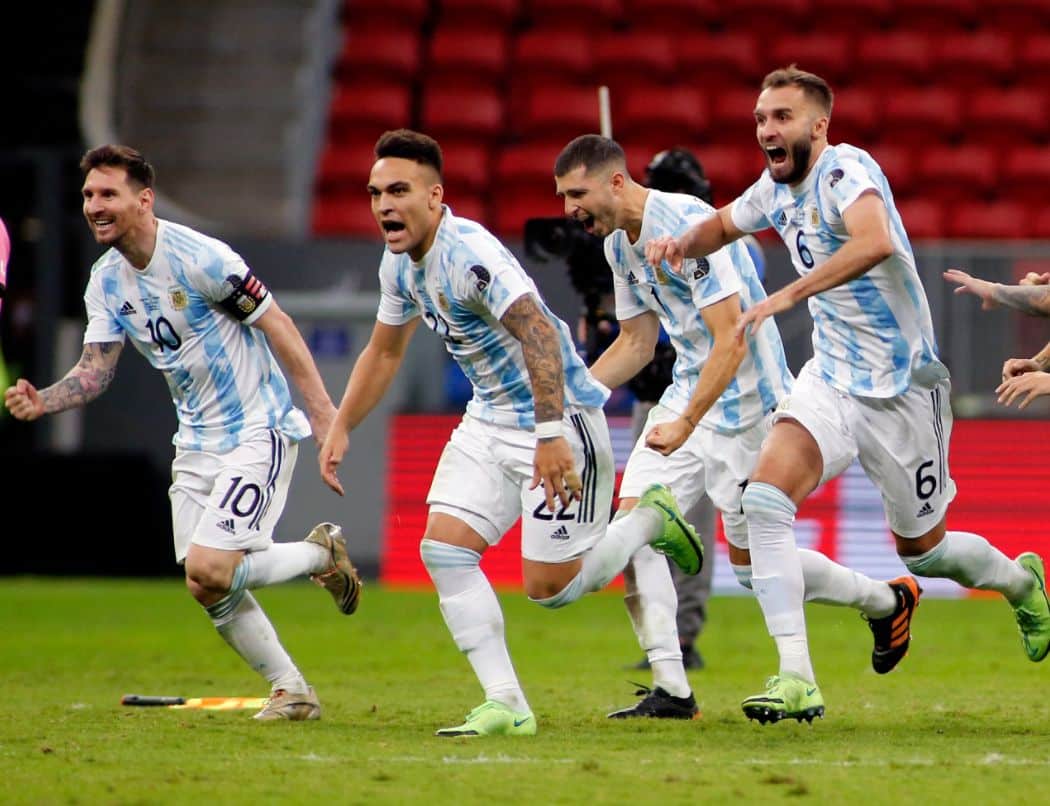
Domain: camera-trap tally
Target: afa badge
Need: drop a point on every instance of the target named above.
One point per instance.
(814, 217)
(178, 297)
(443, 301)
(661, 275)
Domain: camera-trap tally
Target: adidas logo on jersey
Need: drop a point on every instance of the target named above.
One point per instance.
(226, 525)
(561, 533)
(631, 279)
(127, 309)
(926, 509)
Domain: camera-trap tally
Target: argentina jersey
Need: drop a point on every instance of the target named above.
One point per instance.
(873, 335)
(188, 313)
(763, 377)
(462, 287)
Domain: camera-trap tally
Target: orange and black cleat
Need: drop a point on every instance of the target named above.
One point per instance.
(893, 632)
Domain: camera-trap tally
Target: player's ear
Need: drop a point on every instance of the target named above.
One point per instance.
(820, 127)
(437, 193)
(146, 199)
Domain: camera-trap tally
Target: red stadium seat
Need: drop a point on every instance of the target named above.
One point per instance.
(405, 15)
(732, 169)
(626, 60)
(1007, 117)
(559, 113)
(510, 211)
(1025, 174)
(672, 15)
(850, 15)
(386, 55)
(466, 58)
(344, 168)
(585, 15)
(1040, 222)
(495, 15)
(824, 52)
(897, 163)
(733, 116)
(936, 16)
(895, 57)
(1016, 16)
(467, 205)
(767, 18)
(549, 57)
(656, 112)
(934, 113)
(344, 215)
(462, 112)
(981, 58)
(526, 165)
(922, 218)
(855, 115)
(730, 58)
(989, 220)
(950, 173)
(1033, 59)
(361, 111)
(467, 167)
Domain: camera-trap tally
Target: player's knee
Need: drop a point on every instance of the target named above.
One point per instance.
(768, 503)
(208, 578)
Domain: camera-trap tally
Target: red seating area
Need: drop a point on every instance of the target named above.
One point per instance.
(948, 95)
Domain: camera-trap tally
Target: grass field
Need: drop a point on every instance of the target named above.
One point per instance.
(964, 719)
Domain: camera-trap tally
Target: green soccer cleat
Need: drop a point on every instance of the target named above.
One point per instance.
(785, 697)
(679, 540)
(1033, 612)
(493, 719)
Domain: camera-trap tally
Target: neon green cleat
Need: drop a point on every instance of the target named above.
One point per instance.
(1033, 613)
(785, 697)
(679, 540)
(493, 719)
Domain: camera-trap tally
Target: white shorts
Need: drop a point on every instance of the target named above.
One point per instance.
(901, 442)
(484, 475)
(231, 501)
(718, 464)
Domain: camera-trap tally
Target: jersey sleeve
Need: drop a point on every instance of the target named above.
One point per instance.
(846, 182)
(396, 307)
(102, 325)
(712, 278)
(493, 287)
(225, 279)
(749, 210)
(629, 303)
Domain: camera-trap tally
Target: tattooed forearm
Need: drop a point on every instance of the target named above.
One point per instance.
(1033, 300)
(542, 352)
(86, 381)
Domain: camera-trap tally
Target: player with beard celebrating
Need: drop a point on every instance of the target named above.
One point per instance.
(874, 390)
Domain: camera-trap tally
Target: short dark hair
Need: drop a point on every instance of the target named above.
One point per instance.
(111, 155)
(591, 151)
(814, 87)
(410, 145)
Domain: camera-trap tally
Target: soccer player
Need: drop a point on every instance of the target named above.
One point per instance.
(874, 389)
(198, 314)
(1024, 379)
(532, 443)
(705, 434)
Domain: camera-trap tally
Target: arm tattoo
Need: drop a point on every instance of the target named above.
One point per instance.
(542, 352)
(86, 381)
(1033, 300)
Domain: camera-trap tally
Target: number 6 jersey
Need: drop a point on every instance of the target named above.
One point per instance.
(188, 313)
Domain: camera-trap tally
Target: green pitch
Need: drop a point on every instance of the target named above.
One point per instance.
(964, 719)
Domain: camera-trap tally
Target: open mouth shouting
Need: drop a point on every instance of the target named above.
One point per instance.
(777, 156)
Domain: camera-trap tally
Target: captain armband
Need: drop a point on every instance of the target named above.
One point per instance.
(242, 295)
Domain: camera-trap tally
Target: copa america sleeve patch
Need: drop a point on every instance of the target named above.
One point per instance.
(242, 295)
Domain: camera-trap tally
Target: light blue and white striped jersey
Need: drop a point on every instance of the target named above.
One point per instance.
(466, 281)
(873, 335)
(763, 377)
(188, 312)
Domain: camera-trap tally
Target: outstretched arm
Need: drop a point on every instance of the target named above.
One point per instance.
(370, 378)
(701, 239)
(553, 466)
(82, 384)
(1033, 300)
(287, 343)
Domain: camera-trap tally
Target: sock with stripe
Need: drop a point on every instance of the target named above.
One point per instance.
(245, 627)
(473, 616)
(279, 563)
(973, 562)
(777, 574)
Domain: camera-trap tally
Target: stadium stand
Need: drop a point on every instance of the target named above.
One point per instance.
(948, 95)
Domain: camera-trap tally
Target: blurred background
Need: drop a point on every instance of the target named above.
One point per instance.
(260, 116)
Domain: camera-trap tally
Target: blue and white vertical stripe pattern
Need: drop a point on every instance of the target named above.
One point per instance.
(225, 382)
(873, 335)
(462, 288)
(763, 377)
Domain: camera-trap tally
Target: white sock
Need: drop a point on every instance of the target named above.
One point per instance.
(973, 562)
(473, 616)
(777, 574)
(827, 582)
(279, 563)
(245, 627)
(652, 605)
(623, 538)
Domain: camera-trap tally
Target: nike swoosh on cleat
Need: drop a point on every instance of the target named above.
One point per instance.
(519, 722)
(810, 692)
